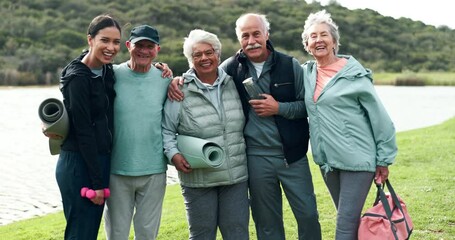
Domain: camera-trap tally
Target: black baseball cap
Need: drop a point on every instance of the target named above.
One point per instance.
(144, 32)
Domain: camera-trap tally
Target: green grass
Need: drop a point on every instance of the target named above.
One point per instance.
(423, 175)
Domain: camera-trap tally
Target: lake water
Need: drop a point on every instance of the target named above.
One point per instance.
(27, 182)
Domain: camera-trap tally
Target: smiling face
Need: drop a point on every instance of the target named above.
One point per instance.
(104, 46)
(321, 43)
(205, 59)
(253, 38)
(142, 53)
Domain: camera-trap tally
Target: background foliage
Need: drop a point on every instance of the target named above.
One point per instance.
(38, 37)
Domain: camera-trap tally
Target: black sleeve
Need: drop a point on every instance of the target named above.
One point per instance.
(79, 94)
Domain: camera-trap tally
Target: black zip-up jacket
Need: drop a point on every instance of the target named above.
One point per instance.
(88, 99)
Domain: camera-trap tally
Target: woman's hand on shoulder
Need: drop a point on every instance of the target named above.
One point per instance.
(167, 72)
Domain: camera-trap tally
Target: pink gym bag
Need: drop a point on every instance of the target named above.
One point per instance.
(388, 219)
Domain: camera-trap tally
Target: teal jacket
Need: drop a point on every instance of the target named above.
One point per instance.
(349, 127)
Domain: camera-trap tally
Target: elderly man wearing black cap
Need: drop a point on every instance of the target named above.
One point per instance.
(138, 166)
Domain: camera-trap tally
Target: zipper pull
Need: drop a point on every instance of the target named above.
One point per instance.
(286, 163)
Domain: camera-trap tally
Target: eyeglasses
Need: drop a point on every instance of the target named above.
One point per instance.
(208, 53)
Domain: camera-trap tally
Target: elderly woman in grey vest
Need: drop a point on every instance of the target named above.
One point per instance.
(214, 197)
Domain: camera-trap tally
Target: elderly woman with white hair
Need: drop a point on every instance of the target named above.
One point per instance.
(214, 197)
(352, 136)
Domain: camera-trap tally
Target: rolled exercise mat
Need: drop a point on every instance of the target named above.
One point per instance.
(200, 153)
(55, 121)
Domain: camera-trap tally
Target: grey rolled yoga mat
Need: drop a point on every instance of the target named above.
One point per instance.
(55, 121)
(200, 153)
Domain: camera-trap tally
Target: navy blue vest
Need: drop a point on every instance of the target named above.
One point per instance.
(294, 132)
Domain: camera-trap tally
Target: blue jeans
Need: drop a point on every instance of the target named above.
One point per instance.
(83, 218)
(225, 207)
(267, 176)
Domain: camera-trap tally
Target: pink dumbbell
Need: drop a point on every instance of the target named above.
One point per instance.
(90, 193)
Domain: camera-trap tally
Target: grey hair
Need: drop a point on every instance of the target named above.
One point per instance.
(318, 18)
(241, 21)
(200, 36)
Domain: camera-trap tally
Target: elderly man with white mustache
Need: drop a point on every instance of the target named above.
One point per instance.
(276, 132)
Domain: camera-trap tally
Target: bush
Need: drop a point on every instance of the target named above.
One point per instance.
(12, 77)
(410, 80)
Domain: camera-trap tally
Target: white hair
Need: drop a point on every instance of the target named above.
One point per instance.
(318, 18)
(242, 19)
(200, 36)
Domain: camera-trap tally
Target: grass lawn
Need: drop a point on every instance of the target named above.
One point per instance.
(423, 175)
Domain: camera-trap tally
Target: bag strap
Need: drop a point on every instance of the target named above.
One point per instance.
(397, 203)
(387, 209)
(378, 195)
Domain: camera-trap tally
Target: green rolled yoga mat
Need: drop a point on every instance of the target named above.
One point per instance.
(55, 121)
(200, 153)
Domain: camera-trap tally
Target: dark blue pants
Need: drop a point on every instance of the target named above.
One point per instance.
(83, 218)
